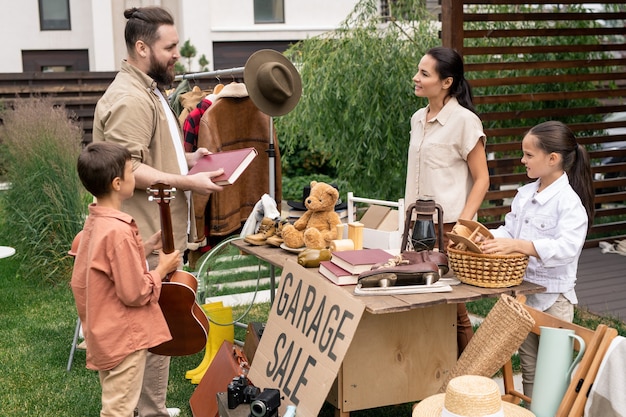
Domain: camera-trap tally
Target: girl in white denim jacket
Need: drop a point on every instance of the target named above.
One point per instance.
(549, 220)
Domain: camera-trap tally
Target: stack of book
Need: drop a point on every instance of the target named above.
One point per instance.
(344, 267)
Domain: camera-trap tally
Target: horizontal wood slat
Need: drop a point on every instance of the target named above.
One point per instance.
(528, 65)
(544, 49)
(551, 96)
(520, 17)
(532, 2)
(518, 33)
(604, 77)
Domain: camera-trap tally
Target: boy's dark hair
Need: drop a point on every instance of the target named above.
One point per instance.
(143, 24)
(99, 163)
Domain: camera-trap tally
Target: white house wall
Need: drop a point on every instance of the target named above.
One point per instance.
(98, 26)
(20, 31)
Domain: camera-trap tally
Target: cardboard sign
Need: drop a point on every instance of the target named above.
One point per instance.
(308, 332)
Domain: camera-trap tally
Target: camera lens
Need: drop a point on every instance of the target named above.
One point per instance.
(258, 408)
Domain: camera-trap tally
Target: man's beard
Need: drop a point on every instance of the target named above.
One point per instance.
(160, 73)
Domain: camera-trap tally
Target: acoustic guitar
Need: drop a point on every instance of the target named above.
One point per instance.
(186, 320)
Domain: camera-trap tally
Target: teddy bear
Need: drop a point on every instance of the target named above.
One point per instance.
(318, 225)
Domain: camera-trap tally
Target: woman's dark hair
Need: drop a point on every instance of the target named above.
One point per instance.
(450, 64)
(143, 24)
(554, 136)
(99, 163)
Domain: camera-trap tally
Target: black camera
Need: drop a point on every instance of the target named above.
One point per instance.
(266, 404)
(239, 391)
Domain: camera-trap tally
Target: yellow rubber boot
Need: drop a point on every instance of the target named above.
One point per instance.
(218, 334)
(208, 355)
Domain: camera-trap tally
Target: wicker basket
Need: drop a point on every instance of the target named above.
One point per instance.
(488, 270)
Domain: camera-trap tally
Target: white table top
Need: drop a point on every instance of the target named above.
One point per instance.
(6, 251)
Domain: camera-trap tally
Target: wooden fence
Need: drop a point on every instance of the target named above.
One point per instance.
(540, 60)
(77, 91)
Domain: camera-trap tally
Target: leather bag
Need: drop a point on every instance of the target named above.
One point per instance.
(229, 362)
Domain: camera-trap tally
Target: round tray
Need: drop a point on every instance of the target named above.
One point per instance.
(292, 250)
(488, 270)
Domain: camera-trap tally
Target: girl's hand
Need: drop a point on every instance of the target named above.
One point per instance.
(507, 246)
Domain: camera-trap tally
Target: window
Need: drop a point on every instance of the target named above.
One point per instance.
(55, 60)
(54, 14)
(269, 11)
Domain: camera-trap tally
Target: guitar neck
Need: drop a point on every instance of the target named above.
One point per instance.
(162, 194)
(167, 233)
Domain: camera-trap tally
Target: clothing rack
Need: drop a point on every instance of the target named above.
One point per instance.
(271, 151)
(211, 74)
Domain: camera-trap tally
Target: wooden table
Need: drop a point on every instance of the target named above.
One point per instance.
(404, 345)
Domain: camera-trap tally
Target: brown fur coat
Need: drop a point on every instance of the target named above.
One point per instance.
(235, 123)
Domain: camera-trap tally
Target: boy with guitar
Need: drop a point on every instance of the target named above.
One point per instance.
(115, 294)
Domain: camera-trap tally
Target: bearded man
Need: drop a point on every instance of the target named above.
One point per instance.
(134, 112)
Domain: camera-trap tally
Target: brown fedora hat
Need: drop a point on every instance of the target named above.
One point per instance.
(273, 83)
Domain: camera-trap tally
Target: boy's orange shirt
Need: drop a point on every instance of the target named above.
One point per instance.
(117, 298)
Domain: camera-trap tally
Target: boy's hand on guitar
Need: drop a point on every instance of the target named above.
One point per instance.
(153, 243)
(168, 262)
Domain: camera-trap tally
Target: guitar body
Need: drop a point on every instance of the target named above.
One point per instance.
(186, 320)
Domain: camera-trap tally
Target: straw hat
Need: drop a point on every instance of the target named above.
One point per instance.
(469, 396)
(273, 82)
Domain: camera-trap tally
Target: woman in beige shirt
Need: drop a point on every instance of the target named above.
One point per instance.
(447, 160)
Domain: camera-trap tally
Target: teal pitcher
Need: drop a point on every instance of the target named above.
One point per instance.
(554, 369)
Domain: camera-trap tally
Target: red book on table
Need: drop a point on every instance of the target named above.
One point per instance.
(337, 274)
(234, 163)
(359, 260)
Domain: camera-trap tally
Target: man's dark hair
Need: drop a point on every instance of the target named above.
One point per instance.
(143, 24)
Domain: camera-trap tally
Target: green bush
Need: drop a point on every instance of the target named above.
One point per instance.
(45, 205)
(358, 98)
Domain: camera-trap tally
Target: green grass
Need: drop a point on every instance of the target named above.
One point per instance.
(38, 323)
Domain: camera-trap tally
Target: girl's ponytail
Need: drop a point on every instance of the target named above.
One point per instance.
(581, 180)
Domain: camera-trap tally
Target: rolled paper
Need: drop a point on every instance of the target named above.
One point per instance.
(339, 229)
(339, 245)
(355, 233)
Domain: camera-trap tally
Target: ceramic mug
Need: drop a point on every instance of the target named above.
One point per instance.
(554, 369)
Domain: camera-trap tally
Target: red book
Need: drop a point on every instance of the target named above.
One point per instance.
(234, 163)
(337, 274)
(359, 260)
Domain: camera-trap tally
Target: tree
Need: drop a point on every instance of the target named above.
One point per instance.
(358, 96)
(188, 51)
(204, 62)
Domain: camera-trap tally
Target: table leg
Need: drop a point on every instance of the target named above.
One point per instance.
(339, 413)
(272, 282)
